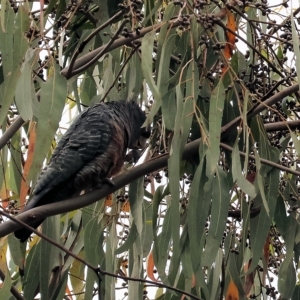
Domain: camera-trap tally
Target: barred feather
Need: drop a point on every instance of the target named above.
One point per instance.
(92, 149)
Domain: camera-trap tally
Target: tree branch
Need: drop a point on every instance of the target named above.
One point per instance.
(13, 128)
(278, 126)
(119, 181)
(264, 161)
(97, 270)
(85, 59)
(79, 64)
(262, 106)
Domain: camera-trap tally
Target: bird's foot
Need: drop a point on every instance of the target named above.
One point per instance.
(106, 180)
(133, 156)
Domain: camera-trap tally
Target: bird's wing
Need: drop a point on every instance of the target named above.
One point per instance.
(87, 137)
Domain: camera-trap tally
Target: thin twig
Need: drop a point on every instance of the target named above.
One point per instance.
(103, 50)
(119, 73)
(262, 106)
(264, 161)
(96, 31)
(97, 270)
(14, 219)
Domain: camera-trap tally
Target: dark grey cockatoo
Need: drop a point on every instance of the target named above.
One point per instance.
(92, 150)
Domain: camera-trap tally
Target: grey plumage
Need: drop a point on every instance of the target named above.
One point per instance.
(92, 149)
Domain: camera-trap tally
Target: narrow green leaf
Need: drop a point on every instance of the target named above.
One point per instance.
(3, 12)
(24, 92)
(87, 89)
(49, 255)
(111, 262)
(234, 271)
(182, 127)
(169, 12)
(134, 78)
(129, 240)
(3, 164)
(136, 196)
(77, 274)
(296, 294)
(296, 141)
(6, 285)
(169, 109)
(92, 232)
(260, 225)
(60, 288)
(94, 253)
(91, 279)
(215, 120)
(76, 249)
(32, 272)
(217, 270)
(287, 226)
(147, 49)
(187, 267)
(164, 63)
(260, 181)
(296, 51)
(286, 279)
(199, 204)
(13, 46)
(237, 174)
(147, 236)
(15, 250)
(135, 288)
(219, 212)
(161, 246)
(53, 96)
(108, 79)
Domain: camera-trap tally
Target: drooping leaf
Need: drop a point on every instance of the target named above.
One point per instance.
(53, 96)
(215, 120)
(13, 46)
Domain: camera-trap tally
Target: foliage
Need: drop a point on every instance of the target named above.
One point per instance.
(215, 209)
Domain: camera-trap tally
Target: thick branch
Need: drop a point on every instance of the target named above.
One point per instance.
(78, 65)
(278, 126)
(85, 59)
(262, 106)
(119, 181)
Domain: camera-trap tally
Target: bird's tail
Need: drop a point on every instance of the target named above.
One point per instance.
(63, 191)
(24, 233)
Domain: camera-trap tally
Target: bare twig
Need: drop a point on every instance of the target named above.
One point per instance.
(264, 161)
(102, 52)
(8, 134)
(96, 31)
(21, 223)
(278, 126)
(119, 73)
(262, 106)
(97, 270)
(85, 59)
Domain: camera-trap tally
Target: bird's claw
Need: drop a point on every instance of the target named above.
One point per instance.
(133, 156)
(106, 180)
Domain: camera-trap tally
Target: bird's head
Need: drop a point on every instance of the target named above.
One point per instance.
(137, 135)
